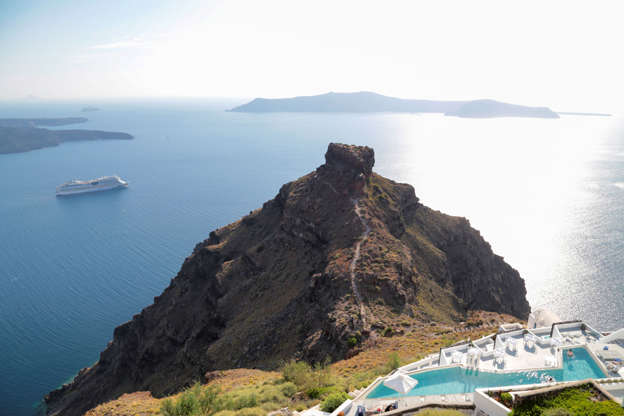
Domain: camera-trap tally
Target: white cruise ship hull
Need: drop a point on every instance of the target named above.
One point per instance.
(81, 188)
(83, 191)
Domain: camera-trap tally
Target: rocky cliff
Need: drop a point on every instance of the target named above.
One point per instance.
(339, 253)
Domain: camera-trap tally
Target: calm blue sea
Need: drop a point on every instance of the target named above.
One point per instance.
(547, 194)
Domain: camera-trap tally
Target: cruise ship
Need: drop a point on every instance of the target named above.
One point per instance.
(104, 183)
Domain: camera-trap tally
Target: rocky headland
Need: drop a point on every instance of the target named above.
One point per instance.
(22, 135)
(339, 254)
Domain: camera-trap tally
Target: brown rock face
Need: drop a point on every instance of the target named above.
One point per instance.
(340, 252)
(349, 158)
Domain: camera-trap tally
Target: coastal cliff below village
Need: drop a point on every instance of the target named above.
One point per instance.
(339, 254)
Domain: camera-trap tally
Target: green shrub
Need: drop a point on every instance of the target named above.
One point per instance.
(225, 413)
(352, 342)
(288, 389)
(578, 401)
(167, 408)
(248, 400)
(272, 394)
(333, 401)
(251, 411)
(387, 332)
(394, 361)
(321, 375)
(187, 403)
(558, 411)
(313, 392)
(506, 398)
(322, 392)
(193, 401)
(271, 406)
(297, 372)
(207, 399)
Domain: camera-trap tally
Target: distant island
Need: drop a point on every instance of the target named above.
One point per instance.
(34, 122)
(370, 102)
(576, 113)
(89, 109)
(21, 135)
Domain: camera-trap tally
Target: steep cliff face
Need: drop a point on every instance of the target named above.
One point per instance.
(340, 252)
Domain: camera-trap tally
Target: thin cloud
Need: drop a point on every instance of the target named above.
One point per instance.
(131, 43)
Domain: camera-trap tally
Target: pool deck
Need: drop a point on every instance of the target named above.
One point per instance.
(531, 356)
(522, 359)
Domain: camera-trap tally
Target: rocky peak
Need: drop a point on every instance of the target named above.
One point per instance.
(350, 158)
(339, 254)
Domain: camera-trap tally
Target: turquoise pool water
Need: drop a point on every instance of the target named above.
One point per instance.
(460, 380)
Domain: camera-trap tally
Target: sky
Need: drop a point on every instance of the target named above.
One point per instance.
(563, 54)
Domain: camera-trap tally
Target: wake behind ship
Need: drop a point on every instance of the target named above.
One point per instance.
(104, 183)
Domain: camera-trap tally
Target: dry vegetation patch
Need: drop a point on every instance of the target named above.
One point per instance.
(140, 403)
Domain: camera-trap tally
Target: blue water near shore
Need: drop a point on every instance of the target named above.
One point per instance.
(547, 194)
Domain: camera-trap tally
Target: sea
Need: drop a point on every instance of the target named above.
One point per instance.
(547, 194)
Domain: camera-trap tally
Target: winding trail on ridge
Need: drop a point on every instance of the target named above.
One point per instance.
(356, 257)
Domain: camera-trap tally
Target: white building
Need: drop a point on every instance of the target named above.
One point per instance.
(515, 357)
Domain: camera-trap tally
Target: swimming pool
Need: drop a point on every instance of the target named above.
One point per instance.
(455, 380)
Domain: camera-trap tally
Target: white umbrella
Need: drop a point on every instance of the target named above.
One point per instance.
(400, 382)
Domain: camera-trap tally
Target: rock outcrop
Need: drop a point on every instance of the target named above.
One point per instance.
(286, 282)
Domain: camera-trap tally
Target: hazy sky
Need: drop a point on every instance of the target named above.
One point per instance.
(564, 54)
